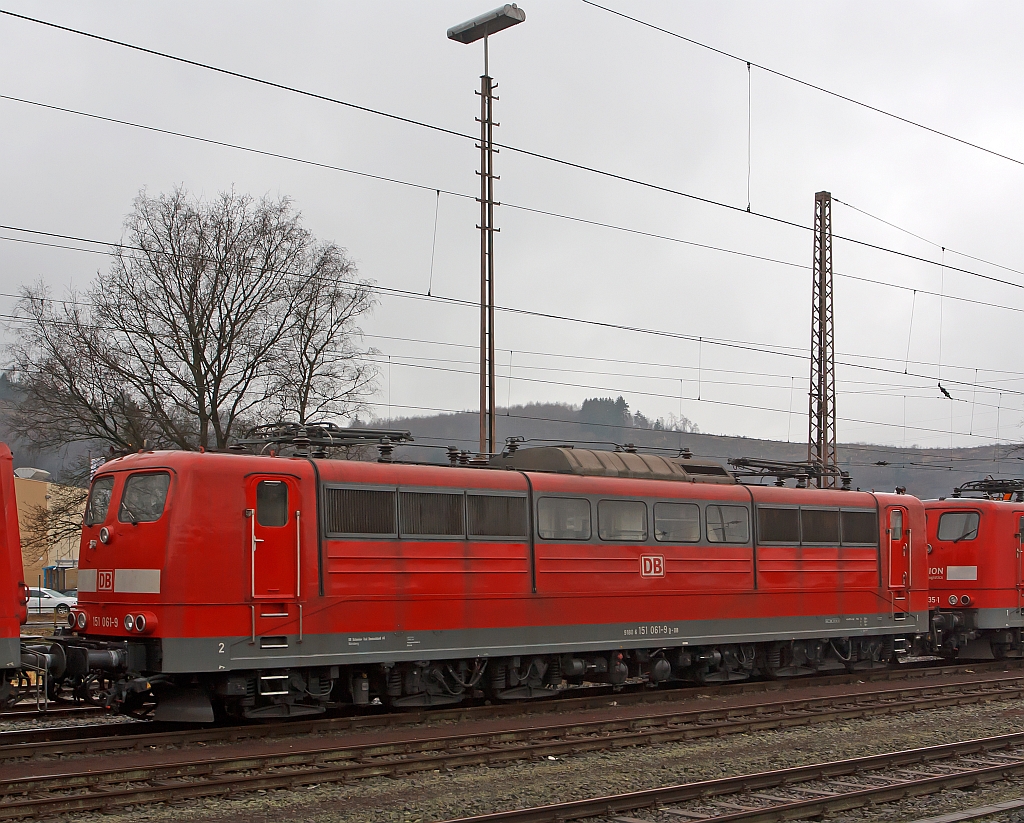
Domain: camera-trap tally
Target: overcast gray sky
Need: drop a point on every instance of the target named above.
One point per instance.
(583, 85)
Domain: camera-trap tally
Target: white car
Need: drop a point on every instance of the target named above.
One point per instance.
(42, 601)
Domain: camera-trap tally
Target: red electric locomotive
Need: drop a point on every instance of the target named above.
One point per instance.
(275, 586)
(13, 591)
(976, 570)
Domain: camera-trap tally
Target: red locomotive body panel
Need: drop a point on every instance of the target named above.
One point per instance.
(246, 563)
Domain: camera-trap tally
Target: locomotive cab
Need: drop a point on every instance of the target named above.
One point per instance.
(976, 576)
(121, 573)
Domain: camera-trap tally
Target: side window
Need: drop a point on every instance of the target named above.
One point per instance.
(727, 524)
(896, 524)
(957, 526)
(359, 511)
(677, 522)
(859, 527)
(272, 503)
(778, 525)
(496, 515)
(438, 514)
(624, 520)
(819, 526)
(143, 498)
(99, 500)
(563, 518)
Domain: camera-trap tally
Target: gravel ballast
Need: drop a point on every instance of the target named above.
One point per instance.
(475, 790)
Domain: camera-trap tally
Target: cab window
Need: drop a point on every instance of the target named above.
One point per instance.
(99, 500)
(272, 503)
(957, 526)
(143, 498)
(896, 524)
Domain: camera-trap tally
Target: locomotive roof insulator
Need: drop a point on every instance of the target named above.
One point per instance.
(802, 471)
(992, 488)
(314, 439)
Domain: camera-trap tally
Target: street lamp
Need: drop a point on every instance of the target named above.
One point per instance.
(469, 32)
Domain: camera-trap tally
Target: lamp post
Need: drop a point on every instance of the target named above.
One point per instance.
(469, 32)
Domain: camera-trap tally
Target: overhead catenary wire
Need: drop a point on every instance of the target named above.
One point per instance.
(452, 132)
(879, 389)
(421, 361)
(433, 242)
(807, 84)
(926, 240)
(770, 349)
(573, 218)
(549, 213)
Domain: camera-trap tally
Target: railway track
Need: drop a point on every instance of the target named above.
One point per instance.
(114, 736)
(56, 787)
(26, 711)
(801, 792)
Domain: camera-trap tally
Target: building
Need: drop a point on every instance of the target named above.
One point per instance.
(50, 555)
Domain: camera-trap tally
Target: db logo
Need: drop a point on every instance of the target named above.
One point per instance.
(652, 565)
(105, 581)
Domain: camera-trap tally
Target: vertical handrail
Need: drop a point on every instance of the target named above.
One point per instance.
(251, 514)
(910, 559)
(1020, 567)
(298, 566)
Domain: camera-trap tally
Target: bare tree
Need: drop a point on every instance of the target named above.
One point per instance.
(322, 372)
(212, 315)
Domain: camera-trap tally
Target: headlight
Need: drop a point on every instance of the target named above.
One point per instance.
(81, 620)
(104, 535)
(140, 623)
(72, 620)
(129, 622)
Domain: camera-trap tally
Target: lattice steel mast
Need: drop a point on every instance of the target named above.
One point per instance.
(821, 439)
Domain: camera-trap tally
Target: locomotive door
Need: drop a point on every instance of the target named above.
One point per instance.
(899, 552)
(1020, 560)
(274, 511)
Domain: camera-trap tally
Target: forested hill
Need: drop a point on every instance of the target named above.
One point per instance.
(926, 473)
